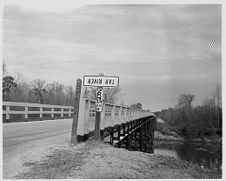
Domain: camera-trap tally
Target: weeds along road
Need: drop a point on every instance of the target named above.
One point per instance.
(18, 133)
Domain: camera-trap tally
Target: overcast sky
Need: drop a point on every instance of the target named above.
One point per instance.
(158, 51)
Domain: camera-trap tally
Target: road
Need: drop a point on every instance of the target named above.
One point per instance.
(18, 133)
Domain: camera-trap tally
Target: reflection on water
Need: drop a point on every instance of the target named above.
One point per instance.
(171, 153)
(205, 154)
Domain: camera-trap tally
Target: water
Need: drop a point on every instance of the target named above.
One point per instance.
(204, 154)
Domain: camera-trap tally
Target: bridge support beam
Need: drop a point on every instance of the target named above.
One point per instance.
(135, 135)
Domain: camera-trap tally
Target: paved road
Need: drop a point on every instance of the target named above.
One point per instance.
(18, 133)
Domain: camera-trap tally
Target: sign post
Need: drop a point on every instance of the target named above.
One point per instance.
(99, 81)
(99, 104)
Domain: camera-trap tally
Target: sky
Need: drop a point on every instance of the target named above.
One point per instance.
(158, 51)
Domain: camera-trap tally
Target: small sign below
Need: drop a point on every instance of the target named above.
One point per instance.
(99, 94)
(100, 81)
(99, 103)
(99, 107)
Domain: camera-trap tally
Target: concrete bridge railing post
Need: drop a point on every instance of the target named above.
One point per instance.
(52, 112)
(127, 114)
(86, 116)
(7, 112)
(81, 118)
(133, 114)
(26, 111)
(41, 112)
(62, 112)
(120, 115)
(70, 110)
(113, 116)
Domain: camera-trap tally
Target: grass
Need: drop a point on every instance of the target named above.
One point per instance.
(66, 162)
(56, 165)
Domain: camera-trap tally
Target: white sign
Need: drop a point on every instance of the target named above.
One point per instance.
(99, 107)
(99, 95)
(101, 81)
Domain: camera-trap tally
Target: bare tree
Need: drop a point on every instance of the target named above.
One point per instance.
(39, 90)
(70, 96)
(110, 94)
(20, 93)
(218, 101)
(184, 103)
(186, 100)
(209, 102)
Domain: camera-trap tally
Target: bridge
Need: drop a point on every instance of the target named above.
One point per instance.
(121, 126)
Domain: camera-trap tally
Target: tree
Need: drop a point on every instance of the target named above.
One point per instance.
(185, 100)
(184, 103)
(218, 96)
(90, 93)
(137, 106)
(8, 85)
(39, 90)
(110, 94)
(70, 96)
(20, 92)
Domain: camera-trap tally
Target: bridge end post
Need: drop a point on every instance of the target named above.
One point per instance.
(76, 111)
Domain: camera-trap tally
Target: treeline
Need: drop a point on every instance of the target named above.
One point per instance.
(200, 121)
(40, 91)
(16, 89)
(37, 91)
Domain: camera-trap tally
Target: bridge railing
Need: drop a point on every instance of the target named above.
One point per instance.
(111, 115)
(24, 111)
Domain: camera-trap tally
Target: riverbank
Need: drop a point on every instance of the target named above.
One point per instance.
(206, 152)
(95, 160)
(165, 132)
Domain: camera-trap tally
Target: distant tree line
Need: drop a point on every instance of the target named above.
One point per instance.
(199, 121)
(37, 91)
(16, 89)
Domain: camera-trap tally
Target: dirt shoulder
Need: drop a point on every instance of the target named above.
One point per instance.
(98, 160)
(15, 157)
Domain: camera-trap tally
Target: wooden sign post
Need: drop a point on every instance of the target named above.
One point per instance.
(76, 110)
(99, 81)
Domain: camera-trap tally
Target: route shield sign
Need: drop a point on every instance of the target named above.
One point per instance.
(99, 103)
(101, 81)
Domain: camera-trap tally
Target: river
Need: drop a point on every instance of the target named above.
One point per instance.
(204, 154)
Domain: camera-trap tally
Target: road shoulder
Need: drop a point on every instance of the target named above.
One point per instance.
(96, 160)
(15, 157)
